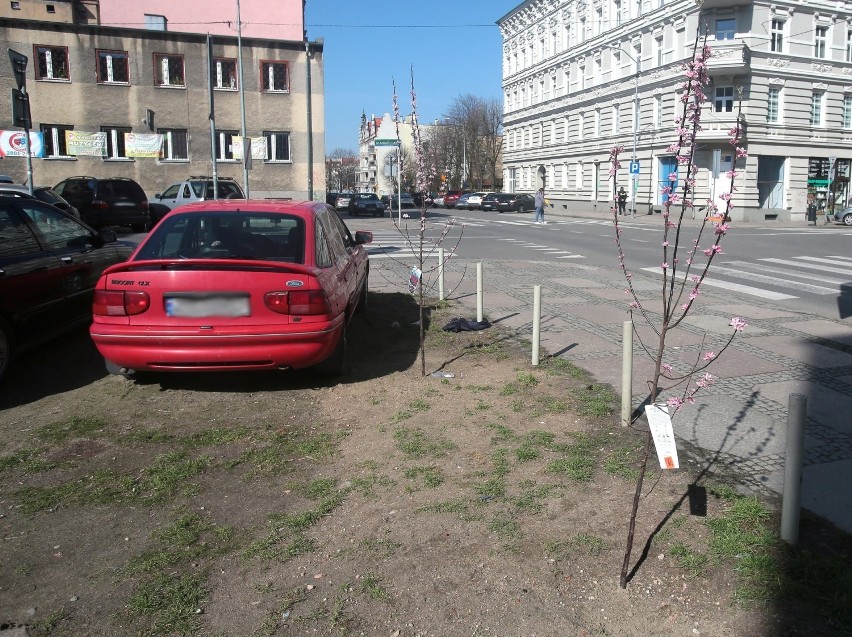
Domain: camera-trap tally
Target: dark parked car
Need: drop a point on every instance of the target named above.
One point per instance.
(515, 202)
(366, 203)
(234, 286)
(42, 193)
(489, 201)
(50, 263)
(112, 201)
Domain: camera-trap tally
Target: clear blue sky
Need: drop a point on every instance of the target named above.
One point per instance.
(453, 45)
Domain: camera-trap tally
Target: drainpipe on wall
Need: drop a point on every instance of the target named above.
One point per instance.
(310, 121)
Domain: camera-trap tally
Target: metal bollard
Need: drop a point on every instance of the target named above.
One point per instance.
(440, 274)
(626, 373)
(536, 334)
(479, 292)
(791, 502)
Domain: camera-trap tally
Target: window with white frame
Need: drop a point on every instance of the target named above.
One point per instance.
(776, 36)
(820, 40)
(849, 45)
(554, 42)
(773, 100)
(723, 100)
(583, 29)
(658, 49)
(225, 74)
(616, 65)
(155, 22)
(726, 28)
(275, 77)
(115, 141)
(598, 20)
(582, 77)
(113, 67)
(847, 112)
(277, 146)
(168, 70)
(175, 144)
(817, 98)
(225, 144)
(54, 140)
(658, 111)
(616, 10)
(578, 176)
(51, 63)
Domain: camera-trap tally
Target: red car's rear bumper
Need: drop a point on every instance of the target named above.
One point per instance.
(262, 347)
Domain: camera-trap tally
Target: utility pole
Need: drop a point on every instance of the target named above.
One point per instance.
(246, 142)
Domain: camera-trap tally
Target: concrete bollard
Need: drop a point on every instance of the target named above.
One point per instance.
(626, 373)
(536, 334)
(440, 274)
(791, 502)
(479, 302)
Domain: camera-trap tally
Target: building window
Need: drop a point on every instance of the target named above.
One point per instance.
(578, 176)
(847, 112)
(597, 122)
(168, 70)
(658, 111)
(816, 108)
(582, 77)
(820, 38)
(724, 99)
(581, 125)
(175, 144)
(772, 102)
(16, 5)
(658, 47)
(726, 29)
(275, 77)
(616, 118)
(225, 74)
(54, 140)
(849, 46)
(637, 57)
(582, 29)
(598, 20)
(616, 9)
(113, 67)
(51, 63)
(155, 22)
(225, 144)
(776, 37)
(115, 141)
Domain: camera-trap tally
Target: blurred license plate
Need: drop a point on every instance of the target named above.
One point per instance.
(190, 307)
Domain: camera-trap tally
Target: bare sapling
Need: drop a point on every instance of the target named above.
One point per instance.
(684, 266)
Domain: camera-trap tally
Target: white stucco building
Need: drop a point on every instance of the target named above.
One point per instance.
(377, 150)
(582, 76)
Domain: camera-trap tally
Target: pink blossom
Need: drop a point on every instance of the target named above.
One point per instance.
(674, 402)
(709, 356)
(666, 367)
(693, 294)
(664, 266)
(705, 381)
(741, 152)
(738, 323)
(665, 244)
(634, 305)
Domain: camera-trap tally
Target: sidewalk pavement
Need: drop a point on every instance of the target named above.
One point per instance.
(741, 420)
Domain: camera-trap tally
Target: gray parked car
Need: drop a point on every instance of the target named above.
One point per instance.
(844, 215)
(192, 190)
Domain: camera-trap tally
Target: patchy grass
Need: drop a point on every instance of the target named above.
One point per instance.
(416, 443)
(169, 603)
(74, 427)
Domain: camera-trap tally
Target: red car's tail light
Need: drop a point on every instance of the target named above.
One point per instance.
(120, 303)
(300, 302)
(100, 204)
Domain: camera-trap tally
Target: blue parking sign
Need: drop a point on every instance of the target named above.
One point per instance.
(634, 168)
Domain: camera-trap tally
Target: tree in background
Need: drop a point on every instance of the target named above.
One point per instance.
(341, 170)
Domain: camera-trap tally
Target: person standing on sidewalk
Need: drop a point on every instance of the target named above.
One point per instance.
(622, 201)
(539, 206)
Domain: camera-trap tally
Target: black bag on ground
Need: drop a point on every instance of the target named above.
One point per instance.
(465, 325)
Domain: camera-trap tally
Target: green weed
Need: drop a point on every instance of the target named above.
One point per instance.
(415, 443)
(169, 603)
(74, 427)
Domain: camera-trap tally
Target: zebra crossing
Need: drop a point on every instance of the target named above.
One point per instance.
(530, 221)
(547, 250)
(821, 276)
(393, 245)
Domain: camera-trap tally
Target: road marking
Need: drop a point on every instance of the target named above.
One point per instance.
(572, 256)
(830, 260)
(734, 287)
(771, 280)
(810, 276)
(808, 266)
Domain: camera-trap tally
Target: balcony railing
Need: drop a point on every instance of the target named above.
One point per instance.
(729, 56)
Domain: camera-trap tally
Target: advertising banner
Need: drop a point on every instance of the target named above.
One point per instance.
(258, 147)
(143, 145)
(83, 143)
(13, 143)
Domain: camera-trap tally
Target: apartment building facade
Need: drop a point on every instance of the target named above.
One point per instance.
(87, 78)
(581, 77)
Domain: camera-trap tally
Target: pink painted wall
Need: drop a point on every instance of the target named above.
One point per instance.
(273, 19)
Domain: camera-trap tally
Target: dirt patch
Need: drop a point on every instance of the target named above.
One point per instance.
(491, 502)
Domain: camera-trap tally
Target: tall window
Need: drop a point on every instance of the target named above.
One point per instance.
(583, 29)
(820, 39)
(772, 102)
(598, 20)
(168, 70)
(275, 77)
(726, 28)
(776, 37)
(816, 108)
(849, 45)
(175, 144)
(723, 101)
(581, 125)
(616, 65)
(597, 122)
(224, 144)
(847, 112)
(658, 49)
(51, 63)
(54, 140)
(115, 141)
(658, 111)
(637, 56)
(225, 73)
(616, 118)
(616, 10)
(113, 67)
(582, 77)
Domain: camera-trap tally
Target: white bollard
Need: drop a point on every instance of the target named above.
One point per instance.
(440, 274)
(536, 335)
(479, 292)
(627, 373)
(791, 501)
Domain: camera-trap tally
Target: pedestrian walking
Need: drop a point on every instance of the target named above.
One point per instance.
(622, 201)
(539, 206)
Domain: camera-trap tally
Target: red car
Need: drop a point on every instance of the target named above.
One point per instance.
(452, 197)
(234, 285)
